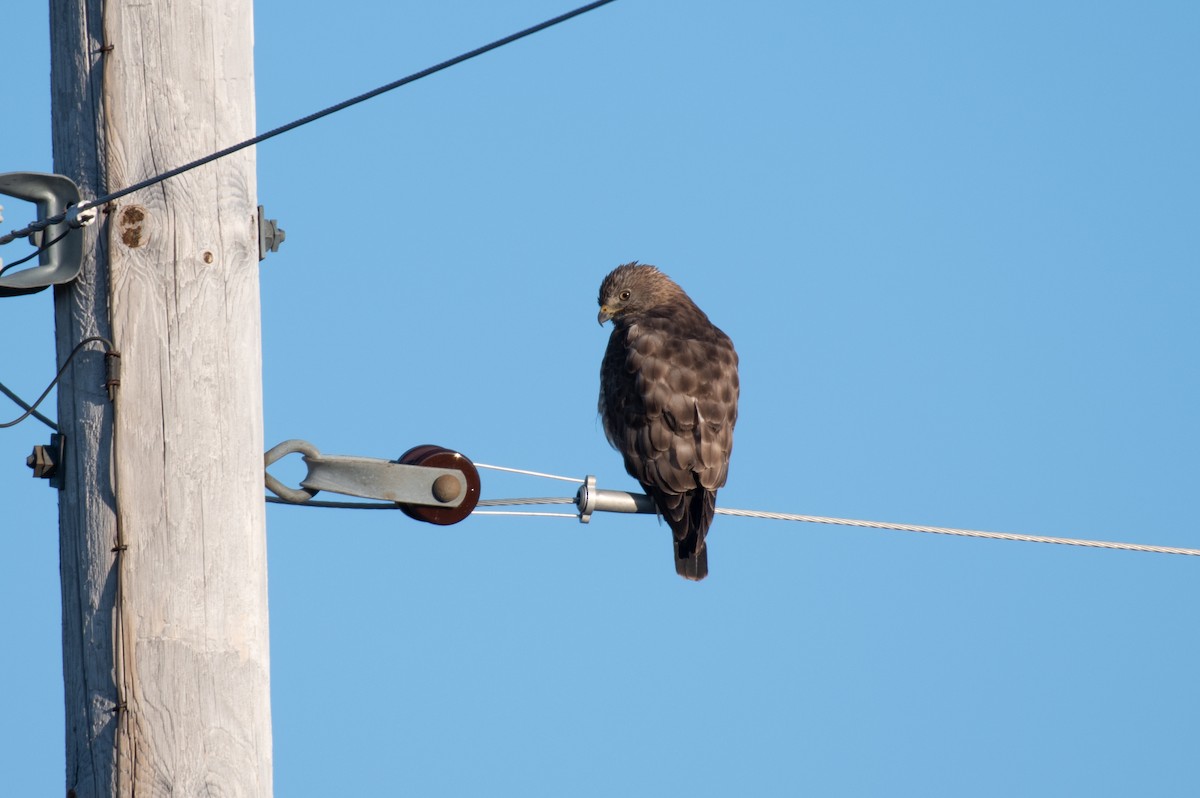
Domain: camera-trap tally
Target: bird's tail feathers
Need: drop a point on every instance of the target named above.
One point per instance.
(689, 524)
(691, 564)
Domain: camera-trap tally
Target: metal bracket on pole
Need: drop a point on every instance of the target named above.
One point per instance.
(428, 483)
(270, 234)
(46, 461)
(61, 261)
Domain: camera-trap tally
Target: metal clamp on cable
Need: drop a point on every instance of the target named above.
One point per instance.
(81, 215)
(589, 499)
(428, 483)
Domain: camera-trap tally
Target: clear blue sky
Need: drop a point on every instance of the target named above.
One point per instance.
(957, 250)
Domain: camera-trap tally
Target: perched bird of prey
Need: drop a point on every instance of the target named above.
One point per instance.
(668, 398)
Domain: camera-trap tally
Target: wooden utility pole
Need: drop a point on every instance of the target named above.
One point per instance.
(165, 638)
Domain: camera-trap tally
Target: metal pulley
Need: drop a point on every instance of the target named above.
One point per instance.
(428, 483)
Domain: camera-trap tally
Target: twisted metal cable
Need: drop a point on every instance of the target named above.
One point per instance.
(525, 513)
(535, 500)
(394, 506)
(334, 504)
(527, 501)
(819, 519)
(811, 519)
(970, 533)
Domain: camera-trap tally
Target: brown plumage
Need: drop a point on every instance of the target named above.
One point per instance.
(668, 398)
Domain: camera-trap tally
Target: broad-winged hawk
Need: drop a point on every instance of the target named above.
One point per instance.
(668, 398)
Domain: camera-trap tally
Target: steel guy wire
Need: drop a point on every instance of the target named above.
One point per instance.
(529, 501)
(458, 59)
(971, 533)
(812, 519)
(508, 502)
(524, 513)
(817, 519)
(335, 505)
(526, 501)
(393, 506)
(529, 473)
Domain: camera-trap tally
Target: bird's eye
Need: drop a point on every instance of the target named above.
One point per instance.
(625, 295)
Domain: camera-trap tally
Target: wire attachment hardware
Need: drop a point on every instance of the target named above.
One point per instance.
(428, 483)
(591, 499)
(61, 245)
(46, 460)
(270, 234)
(81, 215)
(112, 373)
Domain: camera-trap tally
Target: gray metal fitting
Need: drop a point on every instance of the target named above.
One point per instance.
(415, 482)
(590, 499)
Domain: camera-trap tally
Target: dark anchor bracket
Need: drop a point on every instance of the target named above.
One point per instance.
(61, 261)
(46, 460)
(428, 483)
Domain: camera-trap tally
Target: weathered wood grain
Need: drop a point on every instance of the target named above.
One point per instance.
(180, 286)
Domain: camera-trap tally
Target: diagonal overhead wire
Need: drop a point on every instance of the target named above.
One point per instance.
(333, 109)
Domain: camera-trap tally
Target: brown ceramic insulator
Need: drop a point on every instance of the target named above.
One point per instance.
(439, 457)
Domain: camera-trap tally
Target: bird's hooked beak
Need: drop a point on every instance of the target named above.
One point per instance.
(604, 315)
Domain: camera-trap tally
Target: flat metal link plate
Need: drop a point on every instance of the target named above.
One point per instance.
(371, 478)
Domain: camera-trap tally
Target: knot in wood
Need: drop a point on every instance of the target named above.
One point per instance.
(131, 226)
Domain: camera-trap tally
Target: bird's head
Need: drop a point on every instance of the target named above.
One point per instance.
(633, 288)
